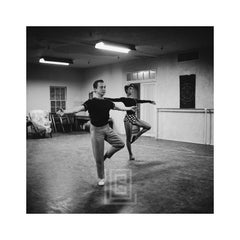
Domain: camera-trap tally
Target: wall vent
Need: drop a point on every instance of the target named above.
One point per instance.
(188, 56)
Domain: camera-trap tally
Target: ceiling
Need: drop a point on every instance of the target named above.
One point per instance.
(78, 43)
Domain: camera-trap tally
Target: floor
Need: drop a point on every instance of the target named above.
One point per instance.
(166, 177)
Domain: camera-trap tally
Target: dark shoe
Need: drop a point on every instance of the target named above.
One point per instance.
(131, 158)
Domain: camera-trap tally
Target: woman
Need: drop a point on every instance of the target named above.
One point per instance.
(131, 118)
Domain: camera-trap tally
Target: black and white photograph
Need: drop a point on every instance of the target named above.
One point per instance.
(120, 119)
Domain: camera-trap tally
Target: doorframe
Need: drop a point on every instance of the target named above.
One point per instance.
(154, 126)
(153, 80)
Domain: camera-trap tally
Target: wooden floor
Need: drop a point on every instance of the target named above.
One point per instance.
(166, 177)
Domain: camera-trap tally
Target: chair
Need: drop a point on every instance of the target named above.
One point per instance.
(80, 121)
(40, 121)
(62, 123)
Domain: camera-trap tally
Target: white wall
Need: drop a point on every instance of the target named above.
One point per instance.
(168, 72)
(41, 77)
(179, 126)
(185, 125)
(167, 90)
(79, 84)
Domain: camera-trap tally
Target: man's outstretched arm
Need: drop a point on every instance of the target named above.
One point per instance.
(133, 108)
(115, 99)
(61, 112)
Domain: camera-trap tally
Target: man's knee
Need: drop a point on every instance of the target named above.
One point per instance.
(121, 145)
(118, 144)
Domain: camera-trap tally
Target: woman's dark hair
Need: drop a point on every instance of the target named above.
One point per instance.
(126, 87)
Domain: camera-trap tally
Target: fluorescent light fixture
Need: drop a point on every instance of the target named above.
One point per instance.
(112, 47)
(50, 60)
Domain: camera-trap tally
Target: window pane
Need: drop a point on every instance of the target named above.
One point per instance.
(52, 103)
(53, 110)
(58, 104)
(135, 76)
(58, 92)
(62, 93)
(63, 104)
(146, 74)
(152, 74)
(140, 75)
(129, 76)
(52, 93)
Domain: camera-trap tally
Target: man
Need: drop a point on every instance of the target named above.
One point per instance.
(98, 109)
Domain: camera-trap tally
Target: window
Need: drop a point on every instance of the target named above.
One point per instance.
(58, 97)
(134, 76)
(187, 91)
(152, 74)
(129, 76)
(146, 74)
(141, 75)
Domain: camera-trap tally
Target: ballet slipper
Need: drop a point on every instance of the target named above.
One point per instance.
(131, 158)
(101, 182)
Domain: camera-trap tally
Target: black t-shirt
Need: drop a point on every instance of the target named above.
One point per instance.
(98, 110)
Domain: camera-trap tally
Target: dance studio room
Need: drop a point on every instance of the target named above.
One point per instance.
(140, 140)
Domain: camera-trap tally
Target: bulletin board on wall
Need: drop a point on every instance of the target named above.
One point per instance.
(187, 91)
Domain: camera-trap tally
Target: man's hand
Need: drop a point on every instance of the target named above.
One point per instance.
(153, 102)
(133, 108)
(60, 112)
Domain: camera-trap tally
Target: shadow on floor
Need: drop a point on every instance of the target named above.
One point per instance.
(103, 200)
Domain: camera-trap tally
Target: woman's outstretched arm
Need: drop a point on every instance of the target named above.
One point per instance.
(115, 99)
(144, 101)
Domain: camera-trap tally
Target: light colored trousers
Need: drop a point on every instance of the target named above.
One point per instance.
(98, 135)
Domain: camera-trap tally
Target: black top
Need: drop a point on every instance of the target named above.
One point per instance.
(98, 110)
(128, 102)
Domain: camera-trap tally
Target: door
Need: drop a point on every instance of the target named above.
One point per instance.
(136, 94)
(147, 110)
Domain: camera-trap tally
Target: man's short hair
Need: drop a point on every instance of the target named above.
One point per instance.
(126, 87)
(95, 84)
